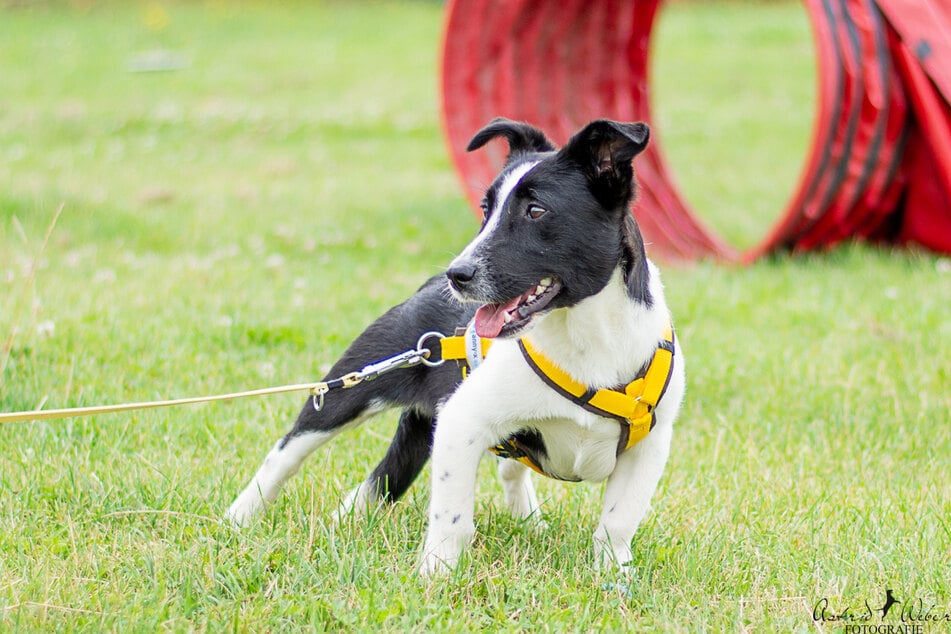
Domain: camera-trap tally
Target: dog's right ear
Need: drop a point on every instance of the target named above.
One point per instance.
(604, 150)
(521, 137)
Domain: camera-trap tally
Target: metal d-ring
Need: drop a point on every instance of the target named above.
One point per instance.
(424, 352)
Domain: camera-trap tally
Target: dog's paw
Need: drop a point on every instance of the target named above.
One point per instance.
(357, 503)
(243, 510)
(609, 556)
(432, 565)
(438, 559)
(441, 551)
(612, 546)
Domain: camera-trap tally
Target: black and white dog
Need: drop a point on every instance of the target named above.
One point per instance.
(559, 264)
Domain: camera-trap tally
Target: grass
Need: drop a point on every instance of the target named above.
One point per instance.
(752, 113)
(233, 224)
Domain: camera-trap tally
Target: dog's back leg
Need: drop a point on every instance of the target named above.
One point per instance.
(418, 389)
(403, 461)
(519, 491)
(312, 429)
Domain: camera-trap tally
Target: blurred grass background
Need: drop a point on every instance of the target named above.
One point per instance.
(234, 221)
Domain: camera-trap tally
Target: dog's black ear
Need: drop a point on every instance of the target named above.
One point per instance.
(636, 272)
(521, 137)
(604, 150)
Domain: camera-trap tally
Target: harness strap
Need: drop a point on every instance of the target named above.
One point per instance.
(512, 449)
(632, 405)
(467, 348)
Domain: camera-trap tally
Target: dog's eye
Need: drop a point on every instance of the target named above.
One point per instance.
(484, 206)
(535, 211)
(485, 212)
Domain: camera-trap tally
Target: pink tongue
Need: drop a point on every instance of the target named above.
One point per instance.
(490, 318)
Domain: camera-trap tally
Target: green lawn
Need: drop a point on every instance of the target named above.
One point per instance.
(234, 223)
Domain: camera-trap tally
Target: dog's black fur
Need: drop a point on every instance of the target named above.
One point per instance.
(418, 390)
(585, 188)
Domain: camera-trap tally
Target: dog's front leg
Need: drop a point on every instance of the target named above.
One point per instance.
(627, 496)
(458, 444)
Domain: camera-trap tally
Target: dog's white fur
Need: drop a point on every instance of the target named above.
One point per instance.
(510, 182)
(602, 341)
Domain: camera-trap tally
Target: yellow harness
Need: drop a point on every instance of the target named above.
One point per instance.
(632, 405)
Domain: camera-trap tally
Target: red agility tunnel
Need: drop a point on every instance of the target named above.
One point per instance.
(879, 165)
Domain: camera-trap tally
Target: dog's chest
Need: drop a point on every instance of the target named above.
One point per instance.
(572, 450)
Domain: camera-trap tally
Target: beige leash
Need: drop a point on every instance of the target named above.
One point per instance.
(410, 358)
(17, 417)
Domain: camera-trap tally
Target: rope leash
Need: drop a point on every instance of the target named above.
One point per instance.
(410, 358)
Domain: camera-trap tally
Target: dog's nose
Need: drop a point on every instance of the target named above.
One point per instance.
(461, 275)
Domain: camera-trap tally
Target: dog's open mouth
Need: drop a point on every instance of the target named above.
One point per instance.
(493, 320)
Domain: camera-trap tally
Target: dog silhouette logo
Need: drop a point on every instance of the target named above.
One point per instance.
(890, 601)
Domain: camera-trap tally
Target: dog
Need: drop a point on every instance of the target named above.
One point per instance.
(583, 378)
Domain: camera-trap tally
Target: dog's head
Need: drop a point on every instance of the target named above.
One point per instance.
(556, 225)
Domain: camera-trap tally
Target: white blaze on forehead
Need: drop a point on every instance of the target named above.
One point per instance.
(509, 183)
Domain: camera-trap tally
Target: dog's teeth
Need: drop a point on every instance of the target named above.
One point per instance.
(545, 282)
(532, 298)
(539, 290)
(508, 317)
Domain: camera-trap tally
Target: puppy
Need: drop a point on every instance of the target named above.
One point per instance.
(582, 378)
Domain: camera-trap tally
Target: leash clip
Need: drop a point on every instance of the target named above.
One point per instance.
(407, 359)
(369, 372)
(317, 395)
